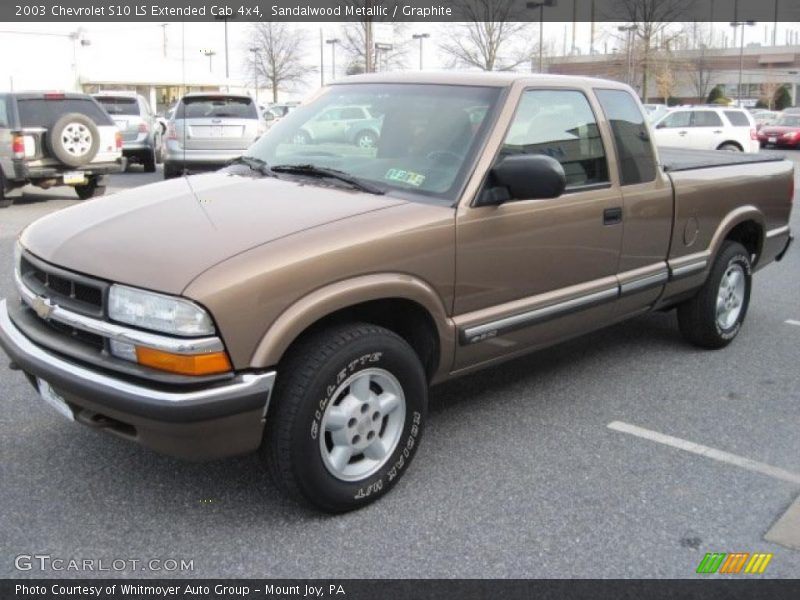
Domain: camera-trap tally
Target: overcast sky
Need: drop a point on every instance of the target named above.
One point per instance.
(43, 53)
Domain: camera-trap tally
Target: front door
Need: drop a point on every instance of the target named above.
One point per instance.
(531, 272)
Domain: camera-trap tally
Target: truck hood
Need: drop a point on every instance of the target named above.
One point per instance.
(161, 236)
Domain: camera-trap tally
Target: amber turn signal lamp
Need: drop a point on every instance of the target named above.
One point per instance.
(184, 364)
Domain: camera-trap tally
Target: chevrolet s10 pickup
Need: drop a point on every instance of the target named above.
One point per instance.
(301, 300)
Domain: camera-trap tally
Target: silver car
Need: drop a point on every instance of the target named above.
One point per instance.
(141, 132)
(208, 130)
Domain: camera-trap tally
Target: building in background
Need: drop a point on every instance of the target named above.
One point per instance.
(688, 76)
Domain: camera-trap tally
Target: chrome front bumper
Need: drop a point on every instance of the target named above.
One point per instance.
(216, 420)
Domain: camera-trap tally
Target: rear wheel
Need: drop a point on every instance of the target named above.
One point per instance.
(713, 317)
(729, 147)
(366, 139)
(349, 408)
(90, 190)
(4, 202)
(301, 138)
(171, 171)
(149, 161)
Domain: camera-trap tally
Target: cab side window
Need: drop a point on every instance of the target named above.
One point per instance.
(705, 118)
(677, 119)
(3, 113)
(637, 163)
(560, 124)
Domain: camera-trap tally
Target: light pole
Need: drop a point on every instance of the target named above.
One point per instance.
(420, 37)
(210, 54)
(628, 29)
(333, 43)
(540, 4)
(741, 24)
(381, 48)
(255, 69)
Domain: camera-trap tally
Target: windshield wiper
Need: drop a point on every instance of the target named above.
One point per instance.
(255, 164)
(315, 171)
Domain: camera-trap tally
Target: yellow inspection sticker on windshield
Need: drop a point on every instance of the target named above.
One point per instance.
(404, 176)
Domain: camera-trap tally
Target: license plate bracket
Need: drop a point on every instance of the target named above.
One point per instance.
(74, 178)
(49, 395)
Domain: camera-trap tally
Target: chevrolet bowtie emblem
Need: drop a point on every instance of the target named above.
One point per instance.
(42, 307)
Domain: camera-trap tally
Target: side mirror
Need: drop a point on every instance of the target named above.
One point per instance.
(524, 177)
(269, 116)
(661, 125)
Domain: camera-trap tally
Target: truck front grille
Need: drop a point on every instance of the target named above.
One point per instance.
(77, 292)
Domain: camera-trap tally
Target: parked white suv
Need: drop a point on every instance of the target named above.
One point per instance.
(708, 128)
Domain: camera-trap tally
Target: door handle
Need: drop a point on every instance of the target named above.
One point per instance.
(682, 132)
(612, 216)
(718, 131)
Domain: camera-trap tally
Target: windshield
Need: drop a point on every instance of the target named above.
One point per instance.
(115, 105)
(216, 107)
(406, 137)
(789, 120)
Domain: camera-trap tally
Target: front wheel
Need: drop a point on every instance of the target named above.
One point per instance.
(348, 413)
(713, 317)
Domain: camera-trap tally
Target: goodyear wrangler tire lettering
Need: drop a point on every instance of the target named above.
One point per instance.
(349, 410)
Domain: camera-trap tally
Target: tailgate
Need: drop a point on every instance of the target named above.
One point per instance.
(217, 134)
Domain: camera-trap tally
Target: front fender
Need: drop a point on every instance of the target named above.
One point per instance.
(347, 293)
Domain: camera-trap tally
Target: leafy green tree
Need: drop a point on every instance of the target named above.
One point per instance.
(782, 99)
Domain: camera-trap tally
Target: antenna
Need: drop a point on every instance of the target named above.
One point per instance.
(183, 104)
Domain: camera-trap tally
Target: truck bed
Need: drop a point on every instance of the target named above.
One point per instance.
(682, 159)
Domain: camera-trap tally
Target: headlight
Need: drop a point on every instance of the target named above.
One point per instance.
(166, 314)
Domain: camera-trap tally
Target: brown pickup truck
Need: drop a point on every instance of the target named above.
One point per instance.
(303, 299)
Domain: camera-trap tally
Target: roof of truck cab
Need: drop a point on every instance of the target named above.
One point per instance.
(481, 78)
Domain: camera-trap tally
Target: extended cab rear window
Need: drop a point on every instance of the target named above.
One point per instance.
(216, 107)
(44, 112)
(737, 118)
(119, 105)
(637, 163)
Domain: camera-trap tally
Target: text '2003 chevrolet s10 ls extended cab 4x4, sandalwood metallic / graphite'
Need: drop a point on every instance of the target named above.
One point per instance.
(302, 299)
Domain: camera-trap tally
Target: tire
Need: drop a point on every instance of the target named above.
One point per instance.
(320, 393)
(149, 161)
(729, 147)
(74, 139)
(171, 171)
(366, 139)
(90, 190)
(728, 285)
(301, 138)
(4, 202)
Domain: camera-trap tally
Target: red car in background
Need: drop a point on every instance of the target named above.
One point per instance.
(784, 132)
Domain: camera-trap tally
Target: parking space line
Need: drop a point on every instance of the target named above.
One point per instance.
(708, 452)
(786, 530)
(792, 322)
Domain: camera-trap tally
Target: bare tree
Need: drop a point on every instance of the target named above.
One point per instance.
(276, 56)
(700, 74)
(490, 39)
(365, 54)
(652, 19)
(769, 89)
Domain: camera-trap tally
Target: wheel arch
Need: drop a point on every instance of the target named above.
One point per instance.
(731, 143)
(404, 304)
(745, 225)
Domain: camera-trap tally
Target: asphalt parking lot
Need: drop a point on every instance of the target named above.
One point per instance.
(519, 473)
